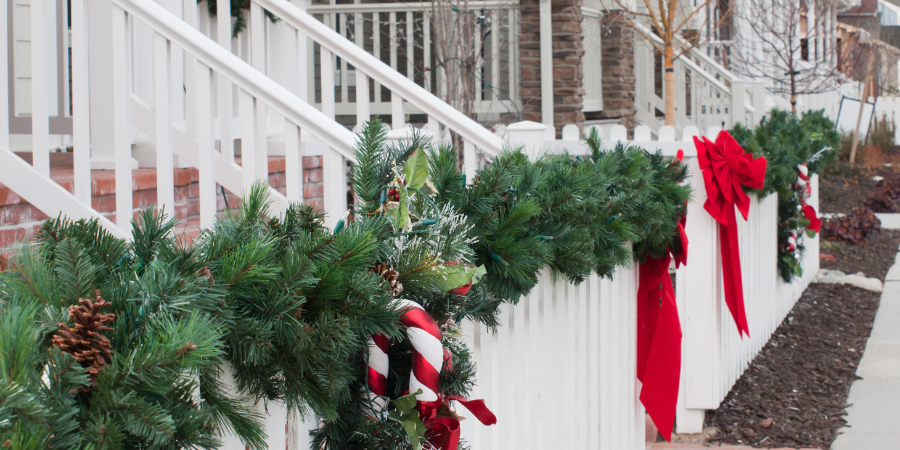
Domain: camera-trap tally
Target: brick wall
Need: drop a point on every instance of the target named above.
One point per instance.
(19, 219)
(568, 69)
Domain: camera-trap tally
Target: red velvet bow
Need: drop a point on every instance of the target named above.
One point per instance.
(726, 168)
(443, 423)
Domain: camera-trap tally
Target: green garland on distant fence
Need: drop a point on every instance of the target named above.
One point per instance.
(787, 142)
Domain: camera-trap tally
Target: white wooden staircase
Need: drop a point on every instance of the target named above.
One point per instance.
(162, 88)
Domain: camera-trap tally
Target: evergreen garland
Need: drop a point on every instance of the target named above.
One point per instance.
(287, 305)
(786, 142)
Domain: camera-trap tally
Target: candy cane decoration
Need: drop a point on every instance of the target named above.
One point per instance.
(428, 355)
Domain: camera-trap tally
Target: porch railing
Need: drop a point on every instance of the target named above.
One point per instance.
(402, 36)
(708, 94)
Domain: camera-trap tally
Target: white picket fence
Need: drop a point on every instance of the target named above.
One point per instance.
(561, 371)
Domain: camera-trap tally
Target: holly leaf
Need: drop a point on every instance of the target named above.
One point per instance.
(399, 211)
(449, 277)
(415, 170)
(798, 270)
(810, 233)
(404, 412)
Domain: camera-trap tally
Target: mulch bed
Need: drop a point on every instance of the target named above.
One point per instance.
(842, 187)
(795, 390)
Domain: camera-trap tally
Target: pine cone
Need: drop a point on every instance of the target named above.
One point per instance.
(390, 275)
(90, 348)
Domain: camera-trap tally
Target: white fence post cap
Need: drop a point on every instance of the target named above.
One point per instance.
(526, 125)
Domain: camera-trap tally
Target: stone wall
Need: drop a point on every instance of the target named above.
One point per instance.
(568, 69)
(617, 49)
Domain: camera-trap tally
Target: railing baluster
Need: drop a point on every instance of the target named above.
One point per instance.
(434, 127)
(426, 52)
(410, 51)
(376, 49)
(478, 78)
(120, 126)
(327, 64)
(342, 29)
(205, 146)
(362, 98)
(258, 43)
(397, 119)
(4, 74)
(334, 186)
(165, 177)
(226, 103)
(247, 106)
(293, 160)
(495, 54)
(470, 159)
(62, 58)
(40, 118)
(190, 66)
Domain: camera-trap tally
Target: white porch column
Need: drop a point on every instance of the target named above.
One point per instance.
(546, 34)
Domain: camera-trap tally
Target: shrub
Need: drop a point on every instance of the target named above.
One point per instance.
(884, 196)
(854, 227)
(882, 133)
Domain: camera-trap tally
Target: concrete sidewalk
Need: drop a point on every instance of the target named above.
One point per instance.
(873, 420)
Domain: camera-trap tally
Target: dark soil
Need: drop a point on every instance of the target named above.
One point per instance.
(795, 390)
(841, 187)
(874, 259)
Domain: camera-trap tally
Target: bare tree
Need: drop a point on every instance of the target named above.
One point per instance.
(461, 42)
(677, 27)
(788, 43)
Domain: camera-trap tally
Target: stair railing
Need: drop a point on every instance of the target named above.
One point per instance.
(334, 50)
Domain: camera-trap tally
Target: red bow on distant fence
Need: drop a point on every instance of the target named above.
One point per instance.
(726, 168)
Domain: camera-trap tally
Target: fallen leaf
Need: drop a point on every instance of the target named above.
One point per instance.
(767, 423)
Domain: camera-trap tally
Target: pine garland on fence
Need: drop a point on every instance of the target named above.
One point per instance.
(787, 142)
(289, 305)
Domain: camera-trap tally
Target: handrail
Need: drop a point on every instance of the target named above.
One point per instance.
(395, 7)
(47, 195)
(693, 65)
(242, 74)
(398, 84)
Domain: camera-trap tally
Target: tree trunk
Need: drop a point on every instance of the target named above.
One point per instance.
(862, 104)
(793, 92)
(669, 79)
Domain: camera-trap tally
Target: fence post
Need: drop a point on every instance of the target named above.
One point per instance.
(738, 96)
(759, 101)
(528, 134)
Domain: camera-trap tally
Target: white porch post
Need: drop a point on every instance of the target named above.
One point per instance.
(546, 33)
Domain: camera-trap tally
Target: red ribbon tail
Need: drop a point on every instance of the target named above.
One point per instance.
(731, 275)
(659, 344)
(477, 408)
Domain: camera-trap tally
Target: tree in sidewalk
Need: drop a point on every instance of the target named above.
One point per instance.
(788, 43)
(673, 28)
